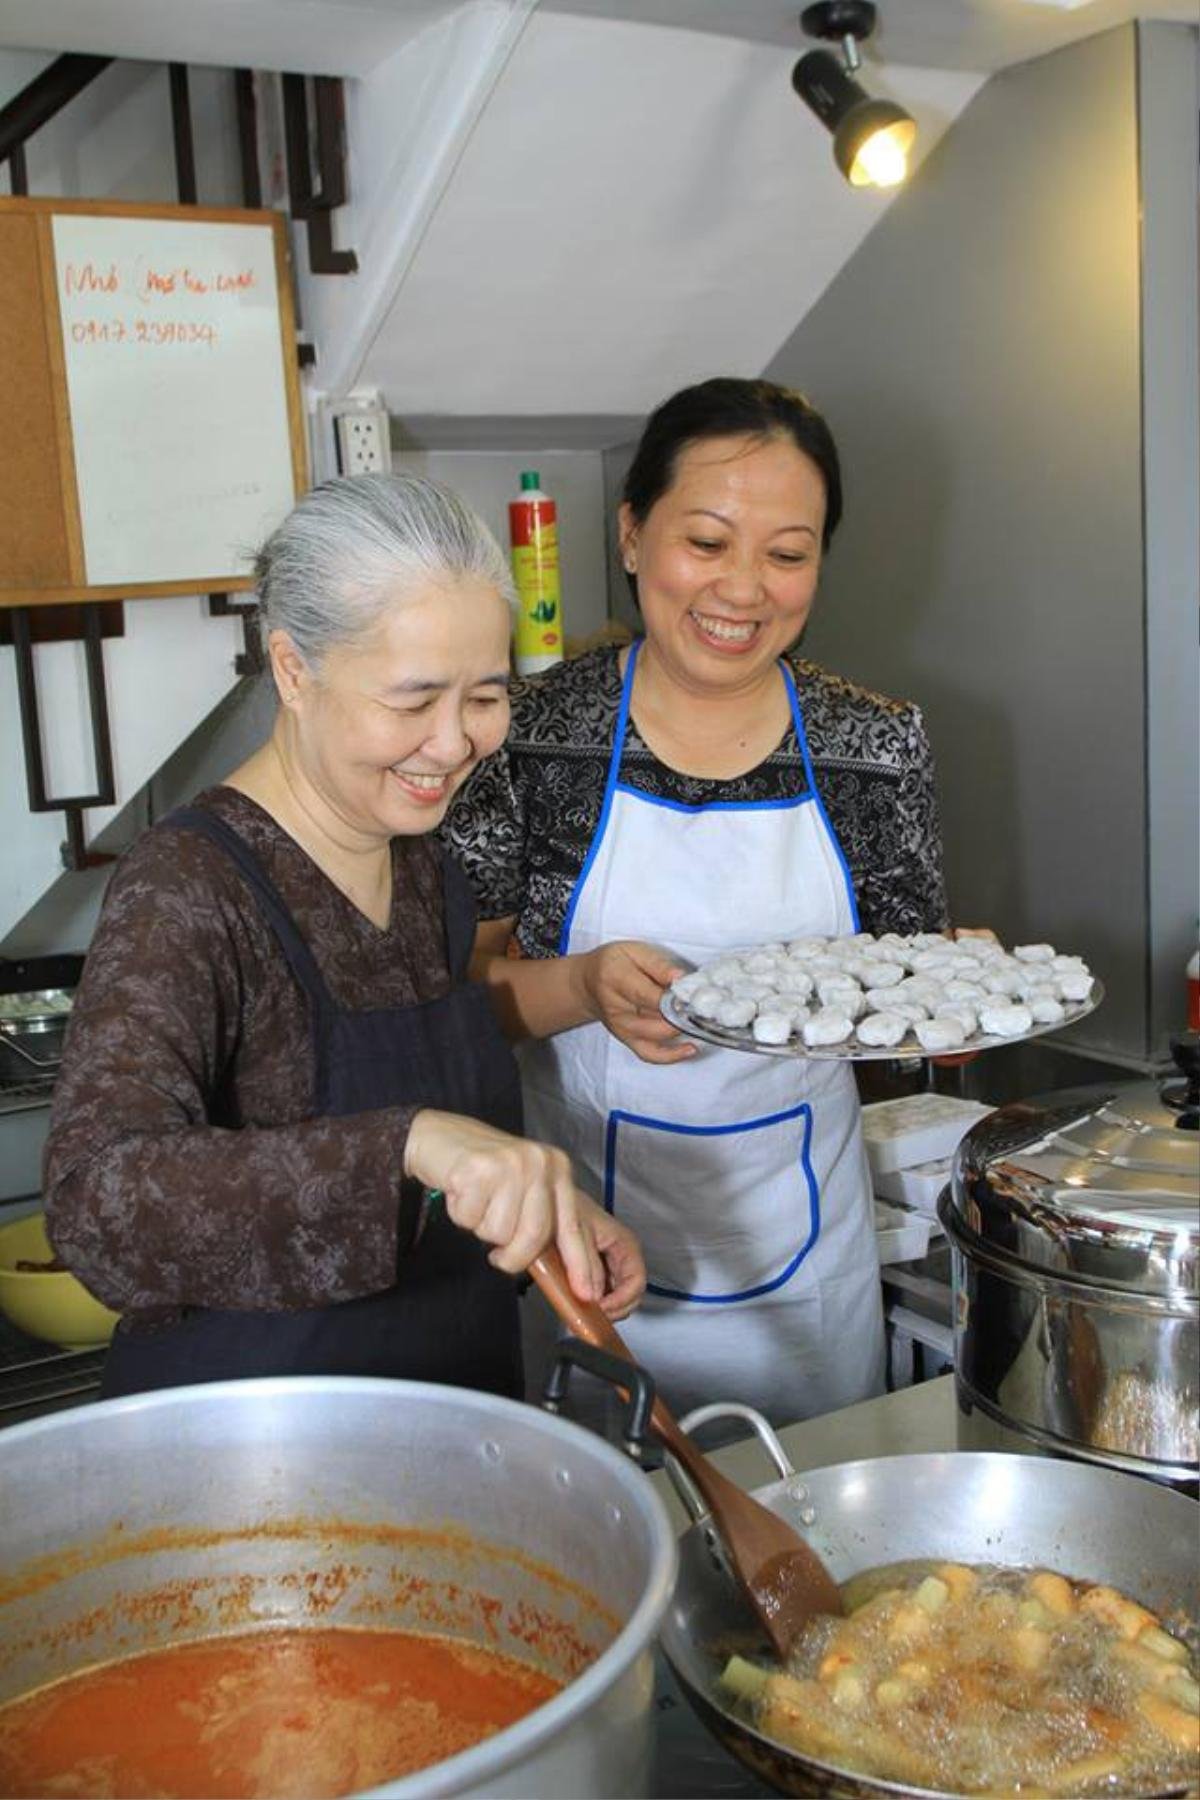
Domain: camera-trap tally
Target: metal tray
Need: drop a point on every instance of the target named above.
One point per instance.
(740, 1038)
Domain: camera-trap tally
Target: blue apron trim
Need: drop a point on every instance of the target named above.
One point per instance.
(711, 806)
(614, 784)
(802, 740)
(803, 1111)
(610, 784)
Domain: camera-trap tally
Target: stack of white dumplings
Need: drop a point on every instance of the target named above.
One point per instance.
(882, 993)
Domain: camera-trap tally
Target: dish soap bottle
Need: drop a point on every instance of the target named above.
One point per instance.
(533, 532)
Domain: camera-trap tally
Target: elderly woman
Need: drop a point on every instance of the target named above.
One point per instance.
(700, 790)
(285, 1136)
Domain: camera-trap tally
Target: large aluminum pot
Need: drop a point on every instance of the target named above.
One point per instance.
(141, 1522)
(1090, 1523)
(1074, 1221)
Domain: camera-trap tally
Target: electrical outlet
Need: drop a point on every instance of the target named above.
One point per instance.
(363, 441)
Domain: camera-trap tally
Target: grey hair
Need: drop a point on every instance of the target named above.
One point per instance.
(353, 546)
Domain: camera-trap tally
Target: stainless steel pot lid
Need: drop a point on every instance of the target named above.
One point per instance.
(45, 1009)
(1098, 1184)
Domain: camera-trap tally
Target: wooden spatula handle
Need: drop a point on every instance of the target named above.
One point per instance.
(586, 1320)
(583, 1317)
(783, 1578)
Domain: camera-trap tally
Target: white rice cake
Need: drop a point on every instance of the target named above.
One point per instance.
(882, 1030)
(828, 1026)
(1000, 1020)
(925, 984)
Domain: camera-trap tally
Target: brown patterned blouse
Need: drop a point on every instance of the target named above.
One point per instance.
(188, 1014)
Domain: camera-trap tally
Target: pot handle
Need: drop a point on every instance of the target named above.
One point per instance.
(724, 1409)
(628, 1377)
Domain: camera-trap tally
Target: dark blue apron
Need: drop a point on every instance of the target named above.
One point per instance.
(450, 1316)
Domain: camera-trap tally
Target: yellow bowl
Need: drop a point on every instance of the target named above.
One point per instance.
(47, 1304)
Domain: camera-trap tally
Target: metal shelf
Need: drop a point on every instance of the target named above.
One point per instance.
(39, 1378)
(26, 1096)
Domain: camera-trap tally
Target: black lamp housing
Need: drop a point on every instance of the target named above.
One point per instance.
(828, 87)
(844, 108)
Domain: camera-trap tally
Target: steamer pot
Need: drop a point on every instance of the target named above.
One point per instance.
(1092, 1524)
(144, 1521)
(1074, 1223)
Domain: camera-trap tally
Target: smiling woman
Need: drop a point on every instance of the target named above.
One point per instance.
(275, 1055)
(702, 791)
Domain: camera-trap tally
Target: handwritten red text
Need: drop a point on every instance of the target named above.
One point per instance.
(153, 332)
(86, 278)
(183, 279)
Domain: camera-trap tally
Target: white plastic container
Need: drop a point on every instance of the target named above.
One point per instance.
(900, 1234)
(918, 1128)
(918, 1186)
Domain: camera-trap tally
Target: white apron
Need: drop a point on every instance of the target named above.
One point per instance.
(744, 1176)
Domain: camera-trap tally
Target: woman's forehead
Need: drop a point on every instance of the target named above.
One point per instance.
(740, 457)
(758, 469)
(426, 596)
(449, 630)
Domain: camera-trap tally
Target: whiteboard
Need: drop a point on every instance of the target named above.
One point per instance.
(177, 391)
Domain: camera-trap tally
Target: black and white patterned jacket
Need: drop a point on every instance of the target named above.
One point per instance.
(522, 825)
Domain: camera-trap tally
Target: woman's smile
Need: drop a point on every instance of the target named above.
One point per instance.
(424, 790)
(726, 636)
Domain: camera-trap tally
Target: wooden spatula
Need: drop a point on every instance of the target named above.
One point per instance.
(784, 1579)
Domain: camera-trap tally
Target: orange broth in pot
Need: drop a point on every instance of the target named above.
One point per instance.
(321, 1711)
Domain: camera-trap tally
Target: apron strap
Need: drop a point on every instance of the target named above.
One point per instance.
(610, 783)
(300, 958)
(458, 900)
(802, 740)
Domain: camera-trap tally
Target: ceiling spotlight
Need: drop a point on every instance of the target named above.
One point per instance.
(871, 138)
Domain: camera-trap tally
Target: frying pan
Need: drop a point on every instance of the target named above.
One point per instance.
(1088, 1522)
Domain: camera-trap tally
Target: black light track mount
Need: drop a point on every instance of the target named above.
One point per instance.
(837, 19)
(844, 22)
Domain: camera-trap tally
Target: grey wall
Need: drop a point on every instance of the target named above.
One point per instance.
(979, 359)
(1169, 115)
(616, 463)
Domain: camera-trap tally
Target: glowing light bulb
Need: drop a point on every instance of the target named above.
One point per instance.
(882, 161)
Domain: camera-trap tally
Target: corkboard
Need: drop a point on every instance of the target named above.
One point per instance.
(37, 537)
(151, 426)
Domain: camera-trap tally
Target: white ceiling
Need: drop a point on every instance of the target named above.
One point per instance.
(930, 34)
(564, 210)
(352, 37)
(318, 37)
(636, 208)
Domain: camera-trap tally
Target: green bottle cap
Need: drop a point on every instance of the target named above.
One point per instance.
(530, 479)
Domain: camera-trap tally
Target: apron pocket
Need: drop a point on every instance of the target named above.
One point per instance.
(724, 1212)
